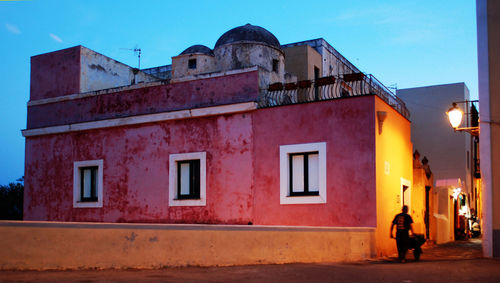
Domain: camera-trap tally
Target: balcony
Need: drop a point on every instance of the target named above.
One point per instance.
(328, 88)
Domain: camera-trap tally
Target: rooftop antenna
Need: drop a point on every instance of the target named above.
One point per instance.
(137, 52)
(393, 87)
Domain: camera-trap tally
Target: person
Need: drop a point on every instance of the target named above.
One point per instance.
(403, 223)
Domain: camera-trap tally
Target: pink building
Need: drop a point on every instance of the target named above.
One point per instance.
(233, 135)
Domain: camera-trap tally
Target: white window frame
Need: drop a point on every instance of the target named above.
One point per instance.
(172, 179)
(285, 151)
(77, 203)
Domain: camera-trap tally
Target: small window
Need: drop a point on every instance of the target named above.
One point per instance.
(275, 65)
(192, 63)
(88, 183)
(187, 179)
(303, 173)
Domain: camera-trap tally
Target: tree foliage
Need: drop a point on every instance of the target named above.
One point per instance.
(11, 200)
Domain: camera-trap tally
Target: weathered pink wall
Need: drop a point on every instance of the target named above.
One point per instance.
(55, 73)
(347, 126)
(136, 162)
(242, 167)
(229, 89)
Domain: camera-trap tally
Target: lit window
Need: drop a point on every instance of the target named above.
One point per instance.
(187, 179)
(303, 173)
(87, 183)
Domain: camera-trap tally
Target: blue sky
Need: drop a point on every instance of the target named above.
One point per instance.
(408, 43)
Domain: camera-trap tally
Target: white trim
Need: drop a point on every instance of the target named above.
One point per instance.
(407, 183)
(76, 183)
(285, 150)
(141, 119)
(172, 179)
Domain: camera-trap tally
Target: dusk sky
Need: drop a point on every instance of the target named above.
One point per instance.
(403, 43)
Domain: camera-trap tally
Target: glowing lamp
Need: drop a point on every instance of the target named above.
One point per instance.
(455, 116)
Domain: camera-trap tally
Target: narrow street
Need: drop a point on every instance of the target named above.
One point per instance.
(460, 261)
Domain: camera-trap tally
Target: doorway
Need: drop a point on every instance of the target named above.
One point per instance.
(427, 212)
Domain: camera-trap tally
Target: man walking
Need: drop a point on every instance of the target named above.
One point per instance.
(403, 222)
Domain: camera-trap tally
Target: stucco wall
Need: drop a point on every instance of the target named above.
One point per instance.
(248, 54)
(394, 166)
(242, 162)
(431, 131)
(347, 130)
(82, 246)
(101, 72)
(300, 60)
(241, 87)
(488, 26)
(204, 64)
(136, 162)
(55, 73)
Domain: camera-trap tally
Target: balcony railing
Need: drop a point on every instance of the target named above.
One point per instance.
(328, 88)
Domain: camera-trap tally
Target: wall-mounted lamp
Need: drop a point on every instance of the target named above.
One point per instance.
(381, 115)
(455, 116)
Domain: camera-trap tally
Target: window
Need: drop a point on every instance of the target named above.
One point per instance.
(406, 193)
(192, 63)
(303, 173)
(275, 65)
(187, 179)
(87, 183)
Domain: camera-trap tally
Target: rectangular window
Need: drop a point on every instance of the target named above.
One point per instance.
(88, 183)
(187, 179)
(188, 176)
(276, 65)
(192, 63)
(304, 173)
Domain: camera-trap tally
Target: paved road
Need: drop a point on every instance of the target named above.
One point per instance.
(454, 262)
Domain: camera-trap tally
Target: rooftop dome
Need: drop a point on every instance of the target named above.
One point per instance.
(248, 32)
(198, 48)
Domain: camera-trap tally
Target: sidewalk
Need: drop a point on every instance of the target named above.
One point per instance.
(467, 249)
(459, 261)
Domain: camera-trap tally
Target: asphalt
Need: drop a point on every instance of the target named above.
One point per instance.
(459, 261)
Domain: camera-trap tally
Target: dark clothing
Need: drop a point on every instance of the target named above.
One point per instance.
(403, 222)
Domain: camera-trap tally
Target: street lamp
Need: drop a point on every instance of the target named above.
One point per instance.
(455, 116)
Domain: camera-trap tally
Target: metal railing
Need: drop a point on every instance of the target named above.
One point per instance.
(328, 88)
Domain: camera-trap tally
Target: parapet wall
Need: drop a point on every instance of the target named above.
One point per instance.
(58, 245)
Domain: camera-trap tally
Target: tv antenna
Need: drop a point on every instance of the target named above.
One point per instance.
(137, 52)
(393, 87)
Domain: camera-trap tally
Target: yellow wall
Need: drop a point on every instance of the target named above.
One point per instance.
(58, 245)
(394, 148)
(300, 61)
(420, 181)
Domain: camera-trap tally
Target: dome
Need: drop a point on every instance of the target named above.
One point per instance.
(198, 48)
(248, 32)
